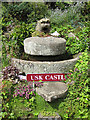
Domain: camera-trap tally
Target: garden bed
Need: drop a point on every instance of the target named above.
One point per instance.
(21, 21)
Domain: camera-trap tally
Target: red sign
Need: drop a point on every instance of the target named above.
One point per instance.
(46, 77)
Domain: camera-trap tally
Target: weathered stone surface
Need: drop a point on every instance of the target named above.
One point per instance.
(44, 66)
(41, 117)
(52, 90)
(44, 46)
(43, 25)
(72, 35)
(56, 34)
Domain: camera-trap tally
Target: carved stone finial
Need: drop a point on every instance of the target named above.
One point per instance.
(43, 25)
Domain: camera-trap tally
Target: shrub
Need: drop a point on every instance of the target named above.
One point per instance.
(14, 107)
(85, 10)
(10, 72)
(25, 11)
(73, 45)
(76, 104)
(59, 17)
(18, 10)
(39, 10)
(13, 43)
(18, 100)
(63, 5)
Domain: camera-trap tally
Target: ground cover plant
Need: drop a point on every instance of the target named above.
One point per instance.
(75, 105)
(18, 98)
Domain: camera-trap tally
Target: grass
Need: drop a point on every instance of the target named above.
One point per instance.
(54, 106)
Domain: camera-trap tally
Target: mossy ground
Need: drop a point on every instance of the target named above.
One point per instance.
(50, 107)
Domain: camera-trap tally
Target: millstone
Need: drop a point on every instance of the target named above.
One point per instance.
(44, 66)
(44, 46)
(52, 90)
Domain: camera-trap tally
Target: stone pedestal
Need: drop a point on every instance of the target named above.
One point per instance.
(44, 48)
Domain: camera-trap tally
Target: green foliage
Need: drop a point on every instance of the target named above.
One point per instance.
(21, 107)
(63, 5)
(18, 100)
(59, 17)
(73, 45)
(46, 113)
(24, 11)
(7, 90)
(76, 104)
(46, 107)
(17, 37)
(85, 11)
(13, 107)
(73, 13)
(13, 42)
(37, 33)
(39, 10)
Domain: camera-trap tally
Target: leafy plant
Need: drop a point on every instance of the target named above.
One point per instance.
(24, 91)
(59, 17)
(21, 107)
(10, 72)
(24, 11)
(74, 45)
(76, 103)
(13, 43)
(18, 100)
(47, 113)
(36, 13)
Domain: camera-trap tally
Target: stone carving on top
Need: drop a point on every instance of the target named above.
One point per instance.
(42, 28)
(43, 25)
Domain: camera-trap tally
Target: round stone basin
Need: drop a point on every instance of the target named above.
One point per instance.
(52, 90)
(44, 46)
(45, 66)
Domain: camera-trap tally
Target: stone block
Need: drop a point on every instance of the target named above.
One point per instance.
(41, 117)
(44, 66)
(72, 35)
(52, 90)
(44, 46)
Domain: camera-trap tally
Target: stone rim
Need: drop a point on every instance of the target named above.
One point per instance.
(44, 67)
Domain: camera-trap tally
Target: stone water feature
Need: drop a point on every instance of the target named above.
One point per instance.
(47, 55)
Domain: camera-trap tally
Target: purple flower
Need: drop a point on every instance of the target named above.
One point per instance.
(18, 92)
(76, 69)
(77, 98)
(15, 95)
(21, 94)
(34, 94)
(79, 75)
